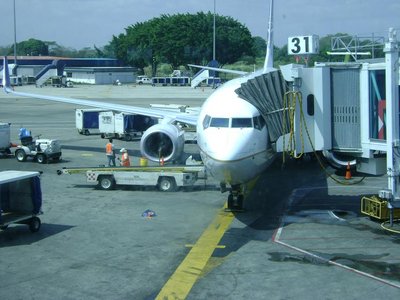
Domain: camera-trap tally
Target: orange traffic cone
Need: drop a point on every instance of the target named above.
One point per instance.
(348, 172)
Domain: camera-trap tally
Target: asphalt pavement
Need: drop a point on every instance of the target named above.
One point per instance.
(301, 235)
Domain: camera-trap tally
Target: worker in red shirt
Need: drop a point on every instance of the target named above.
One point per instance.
(125, 162)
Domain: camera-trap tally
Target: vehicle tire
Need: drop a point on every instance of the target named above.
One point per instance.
(167, 184)
(128, 137)
(34, 224)
(106, 182)
(87, 132)
(41, 158)
(20, 155)
(140, 83)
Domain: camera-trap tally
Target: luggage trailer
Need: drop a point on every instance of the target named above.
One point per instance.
(20, 199)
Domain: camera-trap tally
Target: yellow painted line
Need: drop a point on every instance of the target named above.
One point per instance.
(217, 247)
(191, 268)
(86, 154)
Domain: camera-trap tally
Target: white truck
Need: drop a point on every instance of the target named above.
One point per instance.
(166, 179)
(143, 80)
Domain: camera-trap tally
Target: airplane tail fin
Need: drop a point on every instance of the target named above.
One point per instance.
(6, 76)
(269, 57)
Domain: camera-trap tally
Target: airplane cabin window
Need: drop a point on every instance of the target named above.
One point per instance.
(242, 123)
(206, 122)
(219, 122)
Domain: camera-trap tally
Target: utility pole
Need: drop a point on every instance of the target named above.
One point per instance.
(15, 42)
(214, 33)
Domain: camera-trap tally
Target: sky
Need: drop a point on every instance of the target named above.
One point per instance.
(85, 23)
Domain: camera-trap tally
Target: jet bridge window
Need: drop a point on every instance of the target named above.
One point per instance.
(258, 122)
(377, 102)
(219, 122)
(242, 123)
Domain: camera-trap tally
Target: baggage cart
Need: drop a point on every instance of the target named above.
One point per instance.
(20, 199)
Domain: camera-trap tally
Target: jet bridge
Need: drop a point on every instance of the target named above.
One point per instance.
(348, 111)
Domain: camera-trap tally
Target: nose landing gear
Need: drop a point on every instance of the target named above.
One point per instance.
(235, 199)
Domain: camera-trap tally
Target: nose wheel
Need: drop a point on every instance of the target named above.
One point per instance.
(235, 200)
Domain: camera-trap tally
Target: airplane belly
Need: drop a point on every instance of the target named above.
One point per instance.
(238, 171)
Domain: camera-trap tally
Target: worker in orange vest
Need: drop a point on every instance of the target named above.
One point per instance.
(125, 162)
(110, 153)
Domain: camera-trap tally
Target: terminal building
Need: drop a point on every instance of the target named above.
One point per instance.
(40, 69)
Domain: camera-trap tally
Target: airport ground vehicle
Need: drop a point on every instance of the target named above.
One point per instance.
(166, 179)
(41, 150)
(123, 126)
(5, 143)
(20, 199)
(143, 80)
(87, 120)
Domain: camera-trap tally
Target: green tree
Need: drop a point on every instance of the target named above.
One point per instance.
(181, 39)
(31, 47)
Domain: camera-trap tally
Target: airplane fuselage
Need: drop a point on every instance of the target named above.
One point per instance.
(232, 136)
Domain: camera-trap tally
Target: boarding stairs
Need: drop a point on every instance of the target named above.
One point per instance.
(44, 77)
(52, 70)
(199, 78)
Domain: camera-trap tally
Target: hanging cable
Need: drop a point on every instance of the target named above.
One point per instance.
(290, 101)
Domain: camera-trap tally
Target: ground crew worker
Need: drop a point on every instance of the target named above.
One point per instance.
(125, 162)
(110, 153)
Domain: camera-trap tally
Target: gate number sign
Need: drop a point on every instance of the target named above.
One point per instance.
(298, 45)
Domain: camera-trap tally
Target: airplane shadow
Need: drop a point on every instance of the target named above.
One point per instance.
(16, 235)
(302, 186)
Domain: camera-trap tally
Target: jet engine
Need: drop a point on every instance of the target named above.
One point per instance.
(162, 141)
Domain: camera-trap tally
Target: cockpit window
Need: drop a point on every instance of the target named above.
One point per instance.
(242, 122)
(206, 122)
(219, 122)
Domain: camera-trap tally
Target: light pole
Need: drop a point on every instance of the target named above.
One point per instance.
(213, 33)
(15, 42)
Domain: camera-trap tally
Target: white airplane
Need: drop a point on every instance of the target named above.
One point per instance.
(231, 133)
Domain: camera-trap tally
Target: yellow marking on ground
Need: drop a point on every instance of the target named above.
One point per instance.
(86, 154)
(191, 268)
(217, 247)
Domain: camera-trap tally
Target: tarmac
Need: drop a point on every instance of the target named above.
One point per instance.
(301, 235)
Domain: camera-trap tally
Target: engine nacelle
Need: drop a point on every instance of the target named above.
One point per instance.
(162, 141)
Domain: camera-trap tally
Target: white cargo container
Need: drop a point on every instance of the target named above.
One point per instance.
(20, 199)
(123, 125)
(5, 143)
(87, 120)
(107, 124)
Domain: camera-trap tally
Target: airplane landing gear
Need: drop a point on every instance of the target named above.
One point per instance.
(235, 199)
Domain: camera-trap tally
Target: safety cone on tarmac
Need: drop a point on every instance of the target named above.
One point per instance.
(348, 172)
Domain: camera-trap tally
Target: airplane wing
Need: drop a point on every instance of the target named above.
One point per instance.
(219, 69)
(167, 116)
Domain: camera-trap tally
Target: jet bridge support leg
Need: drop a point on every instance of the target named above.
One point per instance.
(392, 120)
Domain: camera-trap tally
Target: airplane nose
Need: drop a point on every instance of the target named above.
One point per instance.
(226, 145)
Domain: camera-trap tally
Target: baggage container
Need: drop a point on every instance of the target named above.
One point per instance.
(20, 199)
